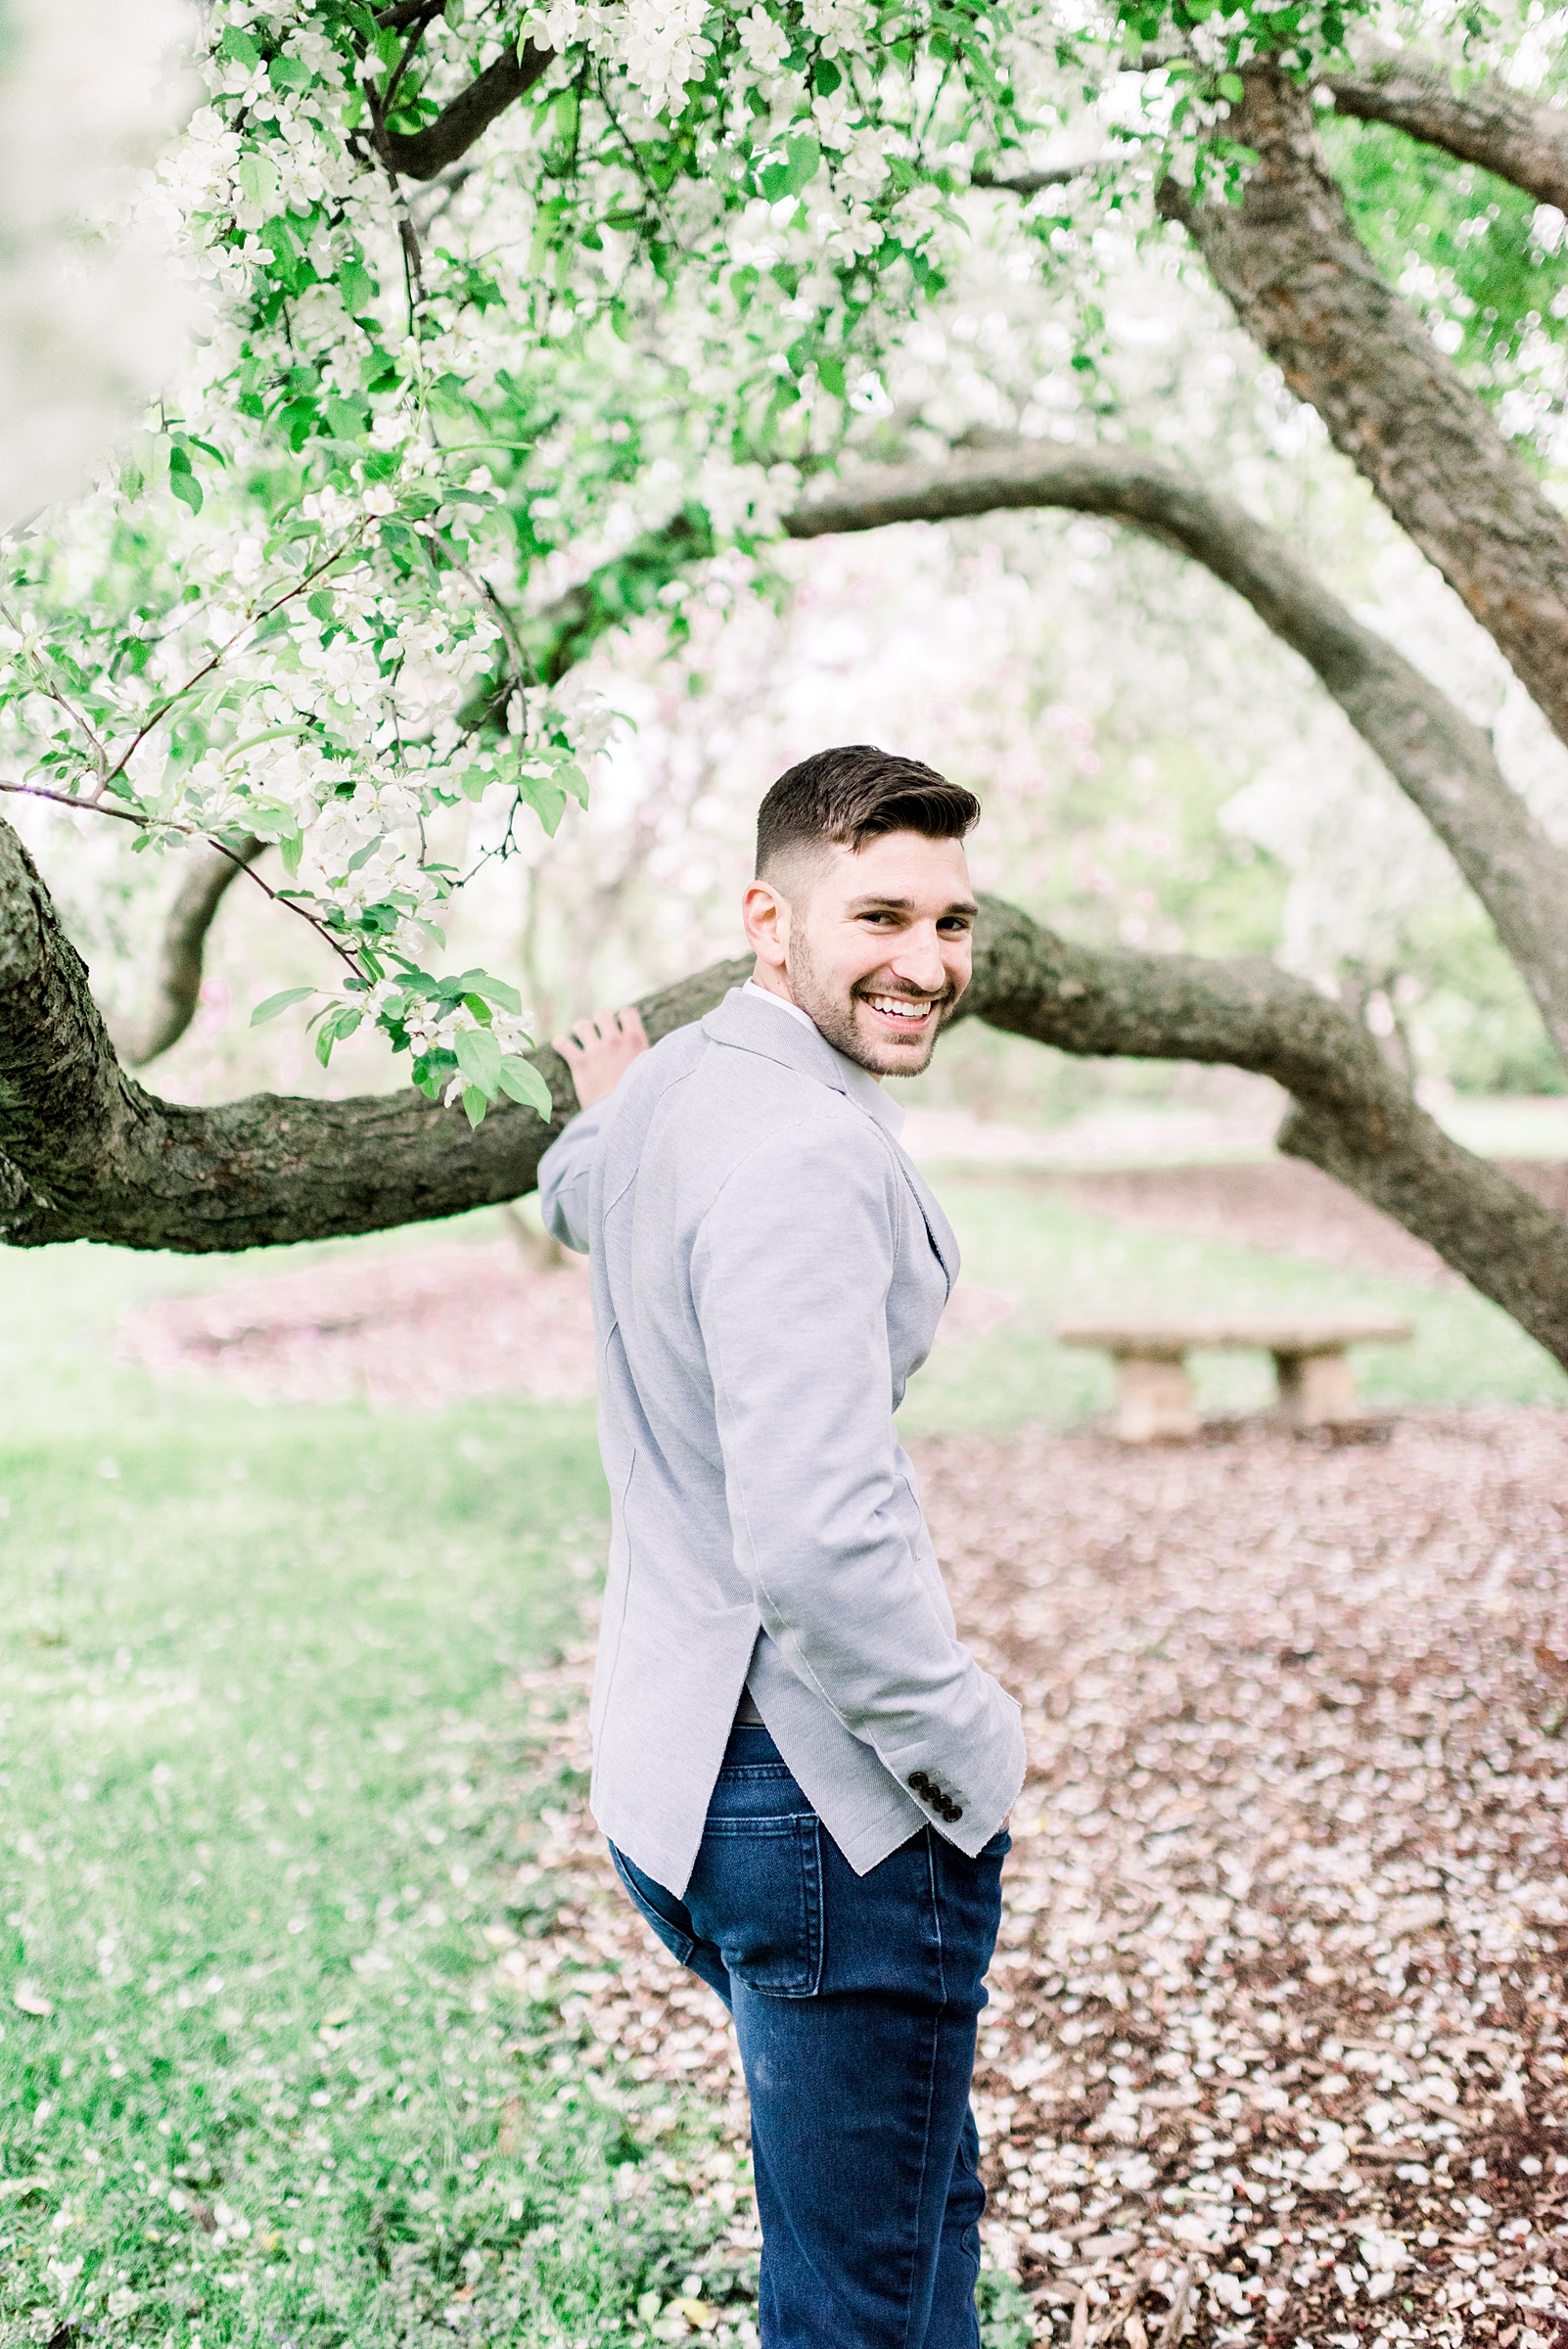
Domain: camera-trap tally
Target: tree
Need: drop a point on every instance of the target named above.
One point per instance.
(343, 624)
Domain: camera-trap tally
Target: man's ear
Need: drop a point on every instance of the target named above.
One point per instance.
(765, 911)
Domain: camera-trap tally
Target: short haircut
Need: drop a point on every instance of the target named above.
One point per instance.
(847, 797)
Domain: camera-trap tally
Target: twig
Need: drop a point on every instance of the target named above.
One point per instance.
(1080, 2332)
(207, 666)
(1170, 2330)
(164, 823)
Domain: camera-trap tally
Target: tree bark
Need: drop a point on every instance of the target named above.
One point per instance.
(1308, 291)
(1444, 763)
(85, 1153)
(1501, 129)
(421, 154)
(177, 980)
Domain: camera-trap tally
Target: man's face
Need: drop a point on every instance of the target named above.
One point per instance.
(873, 944)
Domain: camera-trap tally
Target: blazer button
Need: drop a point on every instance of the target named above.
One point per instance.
(956, 1813)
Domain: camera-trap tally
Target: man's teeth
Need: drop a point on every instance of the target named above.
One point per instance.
(898, 1007)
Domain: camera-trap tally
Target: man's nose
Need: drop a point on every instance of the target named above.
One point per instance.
(919, 961)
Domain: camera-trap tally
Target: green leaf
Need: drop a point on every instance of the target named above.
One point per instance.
(520, 1082)
(186, 487)
(1232, 87)
(797, 170)
(546, 799)
(258, 175)
(271, 1009)
(237, 48)
(475, 1104)
(357, 285)
(479, 1056)
(494, 991)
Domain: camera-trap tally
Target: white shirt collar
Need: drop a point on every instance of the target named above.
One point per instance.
(858, 1082)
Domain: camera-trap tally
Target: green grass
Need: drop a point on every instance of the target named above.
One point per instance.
(258, 1722)
(255, 1727)
(1056, 1261)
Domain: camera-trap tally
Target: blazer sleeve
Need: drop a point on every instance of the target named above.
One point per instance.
(790, 1279)
(565, 1171)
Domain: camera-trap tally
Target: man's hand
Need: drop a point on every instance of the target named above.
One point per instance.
(599, 1051)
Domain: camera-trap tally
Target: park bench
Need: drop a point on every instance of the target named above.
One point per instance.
(1153, 1393)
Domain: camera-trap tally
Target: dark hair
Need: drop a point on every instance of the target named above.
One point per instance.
(856, 793)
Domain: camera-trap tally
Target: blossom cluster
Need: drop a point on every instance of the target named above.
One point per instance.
(432, 437)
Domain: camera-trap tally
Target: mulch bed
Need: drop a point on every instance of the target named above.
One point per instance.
(416, 1327)
(1275, 2050)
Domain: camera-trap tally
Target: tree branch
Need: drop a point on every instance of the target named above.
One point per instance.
(421, 154)
(1501, 129)
(1032, 183)
(1444, 763)
(87, 1154)
(177, 978)
(1351, 1114)
(1310, 295)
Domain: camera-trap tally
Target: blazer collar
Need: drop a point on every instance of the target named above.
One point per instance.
(755, 1027)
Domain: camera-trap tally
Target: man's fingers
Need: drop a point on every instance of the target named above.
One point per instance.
(599, 1050)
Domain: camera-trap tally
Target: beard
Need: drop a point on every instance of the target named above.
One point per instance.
(833, 1014)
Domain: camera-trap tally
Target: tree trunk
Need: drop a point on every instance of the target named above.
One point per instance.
(88, 1155)
(1308, 291)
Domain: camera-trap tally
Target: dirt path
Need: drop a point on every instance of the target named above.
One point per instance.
(1277, 2028)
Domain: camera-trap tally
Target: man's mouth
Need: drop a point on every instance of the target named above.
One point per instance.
(913, 1012)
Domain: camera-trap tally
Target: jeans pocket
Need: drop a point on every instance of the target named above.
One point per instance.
(756, 1893)
(655, 1902)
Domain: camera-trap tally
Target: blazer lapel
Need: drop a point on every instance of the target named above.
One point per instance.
(943, 1239)
(755, 1027)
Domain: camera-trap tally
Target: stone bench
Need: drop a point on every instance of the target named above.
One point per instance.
(1154, 1393)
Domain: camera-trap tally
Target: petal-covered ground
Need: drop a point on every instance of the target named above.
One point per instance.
(1276, 2045)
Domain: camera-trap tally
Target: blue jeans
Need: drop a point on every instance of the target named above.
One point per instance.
(855, 2001)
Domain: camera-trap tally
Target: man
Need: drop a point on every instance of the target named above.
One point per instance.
(802, 1774)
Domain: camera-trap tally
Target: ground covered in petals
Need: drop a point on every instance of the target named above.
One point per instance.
(1276, 2048)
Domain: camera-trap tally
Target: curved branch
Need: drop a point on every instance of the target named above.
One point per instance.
(177, 980)
(1350, 1113)
(1310, 295)
(1444, 763)
(88, 1155)
(421, 154)
(1501, 129)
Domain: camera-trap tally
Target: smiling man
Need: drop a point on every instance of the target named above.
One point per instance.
(804, 1775)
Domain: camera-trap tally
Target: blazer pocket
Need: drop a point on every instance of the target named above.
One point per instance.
(757, 1892)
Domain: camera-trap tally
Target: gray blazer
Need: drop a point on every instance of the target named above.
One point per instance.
(769, 1269)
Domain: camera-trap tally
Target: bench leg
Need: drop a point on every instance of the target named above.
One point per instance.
(1315, 1389)
(1155, 1401)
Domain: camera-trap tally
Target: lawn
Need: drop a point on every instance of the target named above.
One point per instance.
(264, 1787)
(267, 1775)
